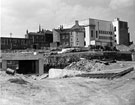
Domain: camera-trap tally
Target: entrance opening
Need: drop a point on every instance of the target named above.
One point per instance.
(28, 67)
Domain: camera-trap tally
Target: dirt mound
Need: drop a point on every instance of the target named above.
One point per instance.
(86, 65)
(94, 65)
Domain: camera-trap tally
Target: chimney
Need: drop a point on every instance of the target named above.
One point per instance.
(116, 19)
(39, 28)
(27, 31)
(61, 27)
(76, 22)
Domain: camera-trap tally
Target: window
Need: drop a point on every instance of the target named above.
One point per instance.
(63, 37)
(105, 37)
(71, 43)
(66, 36)
(111, 33)
(96, 34)
(114, 28)
(111, 43)
(84, 43)
(92, 33)
(71, 39)
(84, 35)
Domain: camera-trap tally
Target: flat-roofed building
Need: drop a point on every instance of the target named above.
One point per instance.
(121, 32)
(15, 43)
(104, 33)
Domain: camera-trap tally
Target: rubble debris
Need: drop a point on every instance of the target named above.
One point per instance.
(42, 77)
(18, 81)
(10, 71)
(86, 65)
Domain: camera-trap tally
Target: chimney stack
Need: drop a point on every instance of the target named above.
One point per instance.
(39, 28)
(76, 22)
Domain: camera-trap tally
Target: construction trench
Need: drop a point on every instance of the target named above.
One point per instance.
(112, 82)
(35, 64)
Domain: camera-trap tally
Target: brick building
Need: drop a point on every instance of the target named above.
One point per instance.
(40, 39)
(15, 43)
(36, 40)
(70, 37)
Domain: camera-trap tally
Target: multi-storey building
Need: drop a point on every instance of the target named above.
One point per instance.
(36, 40)
(70, 37)
(121, 32)
(104, 33)
(15, 43)
(40, 39)
(62, 36)
(98, 32)
(77, 35)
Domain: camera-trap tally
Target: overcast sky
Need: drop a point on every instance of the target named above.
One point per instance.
(19, 15)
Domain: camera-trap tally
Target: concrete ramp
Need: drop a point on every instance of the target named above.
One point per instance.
(107, 75)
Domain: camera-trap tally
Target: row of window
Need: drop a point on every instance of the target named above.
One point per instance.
(15, 41)
(105, 32)
(37, 38)
(65, 43)
(65, 36)
(100, 32)
(105, 37)
(77, 44)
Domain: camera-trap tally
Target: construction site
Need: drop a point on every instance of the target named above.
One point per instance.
(79, 78)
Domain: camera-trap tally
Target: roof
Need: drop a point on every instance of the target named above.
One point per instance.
(48, 32)
(63, 30)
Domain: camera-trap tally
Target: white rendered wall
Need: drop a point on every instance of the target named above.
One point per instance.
(116, 24)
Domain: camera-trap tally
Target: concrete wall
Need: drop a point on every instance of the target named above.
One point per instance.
(96, 26)
(116, 32)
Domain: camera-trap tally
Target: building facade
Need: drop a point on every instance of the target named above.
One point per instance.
(98, 32)
(40, 39)
(121, 32)
(36, 40)
(70, 37)
(15, 43)
(104, 33)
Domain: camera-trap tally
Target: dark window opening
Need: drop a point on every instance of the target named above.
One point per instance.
(114, 28)
(96, 34)
(92, 33)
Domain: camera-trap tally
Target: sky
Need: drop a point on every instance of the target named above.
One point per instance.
(19, 15)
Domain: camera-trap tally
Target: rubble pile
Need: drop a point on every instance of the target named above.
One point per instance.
(86, 65)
